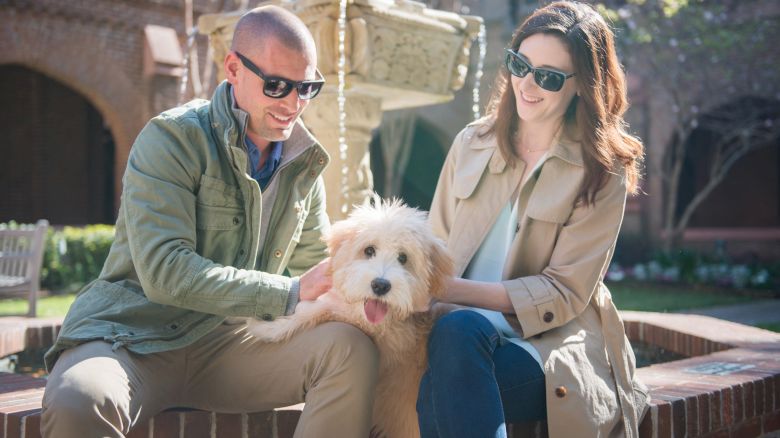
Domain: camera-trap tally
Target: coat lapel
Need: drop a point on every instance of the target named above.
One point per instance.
(484, 185)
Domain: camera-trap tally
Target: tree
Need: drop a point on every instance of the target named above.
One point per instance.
(715, 63)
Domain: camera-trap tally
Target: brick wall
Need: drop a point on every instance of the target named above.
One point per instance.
(95, 47)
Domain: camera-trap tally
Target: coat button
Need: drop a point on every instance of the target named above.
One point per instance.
(548, 316)
(560, 391)
(267, 317)
(236, 220)
(321, 161)
(312, 174)
(277, 253)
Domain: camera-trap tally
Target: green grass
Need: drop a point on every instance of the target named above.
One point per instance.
(652, 297)
(649, 297)
(55, 305)
(773, 326)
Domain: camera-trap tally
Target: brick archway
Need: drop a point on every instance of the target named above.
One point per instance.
(78, 55)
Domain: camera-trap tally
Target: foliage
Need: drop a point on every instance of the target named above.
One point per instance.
(699, 269)
(74, 256)
(714, 65)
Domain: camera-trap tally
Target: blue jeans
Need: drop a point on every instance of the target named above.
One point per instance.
(474, 384)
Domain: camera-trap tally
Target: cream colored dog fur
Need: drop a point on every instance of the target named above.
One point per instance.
(387, 265)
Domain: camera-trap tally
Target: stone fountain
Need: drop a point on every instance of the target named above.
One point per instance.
(398, 54)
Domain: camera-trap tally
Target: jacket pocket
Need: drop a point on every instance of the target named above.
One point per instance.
(219, 233)
(210, 217)
(217, 193)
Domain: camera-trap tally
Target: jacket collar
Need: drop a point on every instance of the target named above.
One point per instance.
(230, 123)
(564, 146)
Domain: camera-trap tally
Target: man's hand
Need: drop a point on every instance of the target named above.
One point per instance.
(316, 281)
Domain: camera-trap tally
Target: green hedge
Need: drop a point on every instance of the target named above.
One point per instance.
(74, 256)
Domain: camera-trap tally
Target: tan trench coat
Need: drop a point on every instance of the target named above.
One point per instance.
(553, 275)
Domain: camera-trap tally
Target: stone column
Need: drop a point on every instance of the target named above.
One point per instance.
(364, 114)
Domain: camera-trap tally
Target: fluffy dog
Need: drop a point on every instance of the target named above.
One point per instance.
(387, 265)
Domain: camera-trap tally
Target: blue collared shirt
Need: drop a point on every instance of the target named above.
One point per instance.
(264, 174)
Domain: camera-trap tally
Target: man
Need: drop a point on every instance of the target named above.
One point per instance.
(220, 198)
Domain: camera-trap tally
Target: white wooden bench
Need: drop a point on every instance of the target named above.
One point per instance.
(21, 254)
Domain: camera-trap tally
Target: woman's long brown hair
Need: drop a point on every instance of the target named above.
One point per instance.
(597, 113)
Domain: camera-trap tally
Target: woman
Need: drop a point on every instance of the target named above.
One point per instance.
(530, 202)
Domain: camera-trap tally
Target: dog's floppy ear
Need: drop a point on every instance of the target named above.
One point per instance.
(441, 268)
(339, 233)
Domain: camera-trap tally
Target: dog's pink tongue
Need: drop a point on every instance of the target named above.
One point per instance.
(375, 311)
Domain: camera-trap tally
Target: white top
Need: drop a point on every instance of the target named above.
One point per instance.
(488, 265)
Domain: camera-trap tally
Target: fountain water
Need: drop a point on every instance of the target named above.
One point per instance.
(482, 43)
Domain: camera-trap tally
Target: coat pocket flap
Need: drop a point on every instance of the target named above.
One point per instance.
(468, 175)
(549, 201)
(214, 191)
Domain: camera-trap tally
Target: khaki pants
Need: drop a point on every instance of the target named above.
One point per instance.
(96, 392)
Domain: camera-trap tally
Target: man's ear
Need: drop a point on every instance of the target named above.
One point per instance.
(231, 67)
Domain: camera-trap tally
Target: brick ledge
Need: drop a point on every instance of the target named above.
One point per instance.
(745, 403)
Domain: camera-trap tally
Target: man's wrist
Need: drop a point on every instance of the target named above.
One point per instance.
(294, 296)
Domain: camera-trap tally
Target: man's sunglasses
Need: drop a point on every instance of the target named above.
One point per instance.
(548, 79)
(277, 88)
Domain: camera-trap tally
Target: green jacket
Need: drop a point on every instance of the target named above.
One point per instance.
(186, 253)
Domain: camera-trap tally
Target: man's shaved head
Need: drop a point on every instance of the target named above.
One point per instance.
(282, 51)
(260, 24)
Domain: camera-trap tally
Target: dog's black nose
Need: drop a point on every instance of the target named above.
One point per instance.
(380, 286)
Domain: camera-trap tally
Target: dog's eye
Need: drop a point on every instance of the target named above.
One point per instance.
(370, 251)
(402, 258)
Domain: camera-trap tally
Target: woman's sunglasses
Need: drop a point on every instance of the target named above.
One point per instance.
(548, 79)
(277, 88)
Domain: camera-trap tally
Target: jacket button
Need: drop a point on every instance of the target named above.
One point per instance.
(277, 253)
(312, 174)
(267, 317)
(560, 391)
(548, 316)
(236, 220)
(241, 251)
(321, 161)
